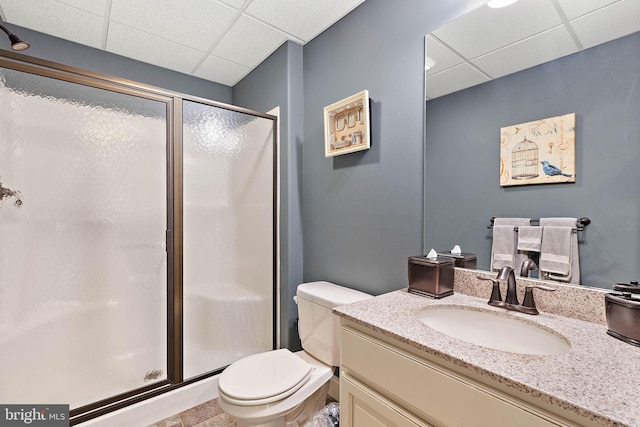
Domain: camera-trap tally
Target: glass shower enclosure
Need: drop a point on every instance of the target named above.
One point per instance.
(137, 237)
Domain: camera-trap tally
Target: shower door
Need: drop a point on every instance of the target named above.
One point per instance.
(83, 217)
(229, 236)
(138, 241)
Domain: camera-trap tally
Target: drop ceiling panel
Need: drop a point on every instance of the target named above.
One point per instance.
(530, 52)
(249, 42)
(442, 56)
(457, 78)
(93, 6)
(575, 8)
(234, 3)
(595, 28)
(210, 39)
(580, 24)
(57, 19)
(221, 71)
(302, 18)
(486, 29)
(126, 41)
(194, 23)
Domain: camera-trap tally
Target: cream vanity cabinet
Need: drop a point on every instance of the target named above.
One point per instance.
(382, 384)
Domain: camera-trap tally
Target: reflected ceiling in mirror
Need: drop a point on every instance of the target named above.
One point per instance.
(489, 43)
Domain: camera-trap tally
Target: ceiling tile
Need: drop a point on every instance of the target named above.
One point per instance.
(93, 6)
(304, 19)
(234, 3)
(56, 19)
(147, 48)
(442, 56)
(594, 28)
(221, 71)
(97, 7)
(178, 34)
(248, 42)
(485, 29)
(575, 8)
(195, 23)
(452, 80)
(528, 53)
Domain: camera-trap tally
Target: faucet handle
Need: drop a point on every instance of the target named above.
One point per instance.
(528, 297)
(496, 296)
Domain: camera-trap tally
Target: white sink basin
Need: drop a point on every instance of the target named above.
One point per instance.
(498, 331)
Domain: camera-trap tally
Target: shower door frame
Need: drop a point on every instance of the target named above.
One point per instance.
(174, 230)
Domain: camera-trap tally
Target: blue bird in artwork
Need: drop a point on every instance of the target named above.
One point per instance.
(552, 170)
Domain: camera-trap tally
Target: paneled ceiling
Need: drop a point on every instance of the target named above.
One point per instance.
(217, 40)
(489, 43)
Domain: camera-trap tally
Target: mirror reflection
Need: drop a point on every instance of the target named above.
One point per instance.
(535, 59)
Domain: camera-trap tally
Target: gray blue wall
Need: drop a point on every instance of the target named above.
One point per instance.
(602, 86)
(362, 212)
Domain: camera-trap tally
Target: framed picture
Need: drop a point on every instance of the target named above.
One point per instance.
(346, 125)
(539, 152)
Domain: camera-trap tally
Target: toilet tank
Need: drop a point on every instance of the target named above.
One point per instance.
(318, 327)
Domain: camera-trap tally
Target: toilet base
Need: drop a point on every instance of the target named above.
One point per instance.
(300, 416)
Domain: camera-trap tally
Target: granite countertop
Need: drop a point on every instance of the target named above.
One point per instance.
(598, 378)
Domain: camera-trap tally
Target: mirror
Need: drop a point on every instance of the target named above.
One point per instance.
(536, 59)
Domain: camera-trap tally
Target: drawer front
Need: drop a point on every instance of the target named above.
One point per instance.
(362, 407)
(436, 394)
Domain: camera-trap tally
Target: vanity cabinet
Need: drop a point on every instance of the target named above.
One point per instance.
(362, 406)
(383, 384)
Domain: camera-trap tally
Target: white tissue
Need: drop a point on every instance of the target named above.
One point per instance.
(456, 250)
(432, 254)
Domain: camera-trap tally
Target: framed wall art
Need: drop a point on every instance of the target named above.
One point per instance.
(346, 125)
(539, 152)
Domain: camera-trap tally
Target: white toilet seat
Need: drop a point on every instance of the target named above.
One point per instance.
(267, 413)
(264, 378)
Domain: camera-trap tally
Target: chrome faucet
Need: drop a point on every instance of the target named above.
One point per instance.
(528, 305)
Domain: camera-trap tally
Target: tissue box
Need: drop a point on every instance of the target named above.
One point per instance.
(463, 260)
(431, 277)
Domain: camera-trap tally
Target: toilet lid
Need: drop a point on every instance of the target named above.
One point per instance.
(264, 377)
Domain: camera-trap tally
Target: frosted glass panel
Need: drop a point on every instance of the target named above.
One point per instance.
(228, 236)
(82, 241)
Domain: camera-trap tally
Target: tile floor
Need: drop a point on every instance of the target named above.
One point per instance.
(207, 414)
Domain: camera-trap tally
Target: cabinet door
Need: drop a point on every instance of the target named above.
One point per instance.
(433, 392)
(363, 407)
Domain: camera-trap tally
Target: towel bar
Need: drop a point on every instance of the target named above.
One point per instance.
(580, 223)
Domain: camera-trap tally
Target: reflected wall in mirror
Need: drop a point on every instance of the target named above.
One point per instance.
(597, 78)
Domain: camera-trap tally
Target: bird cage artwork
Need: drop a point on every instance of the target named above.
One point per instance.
(524, 160)
(539, 152)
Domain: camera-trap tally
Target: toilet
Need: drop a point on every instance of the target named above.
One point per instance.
(279, 388)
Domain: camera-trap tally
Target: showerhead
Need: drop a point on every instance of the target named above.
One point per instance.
(16, 43)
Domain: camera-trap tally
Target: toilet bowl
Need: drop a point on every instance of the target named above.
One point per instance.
(279, 388)
(257, 408)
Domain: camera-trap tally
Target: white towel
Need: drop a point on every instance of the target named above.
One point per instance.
(503, 250)
(529, 238)
(559, 257)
